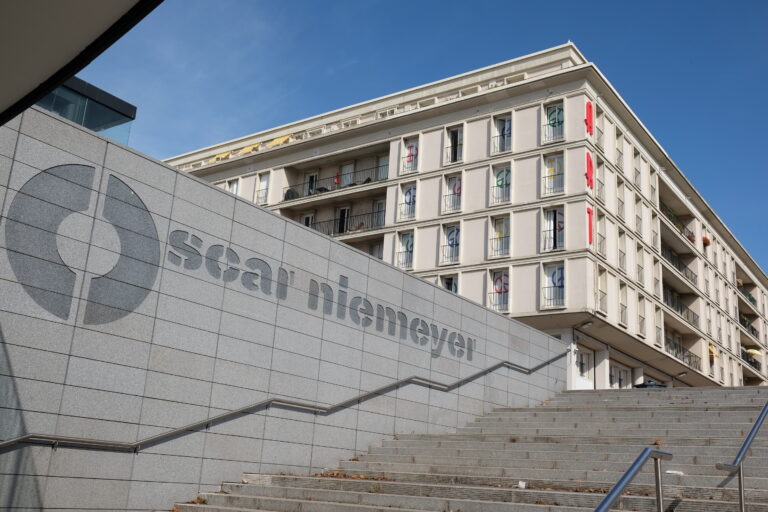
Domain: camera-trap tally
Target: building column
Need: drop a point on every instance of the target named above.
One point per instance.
(637, 376)
(602, 369)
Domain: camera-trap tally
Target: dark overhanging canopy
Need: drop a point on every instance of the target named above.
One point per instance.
(43, 43)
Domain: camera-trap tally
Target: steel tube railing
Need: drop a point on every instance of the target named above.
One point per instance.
(616, 491)
(738, 462)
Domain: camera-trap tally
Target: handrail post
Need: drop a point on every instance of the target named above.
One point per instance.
(742, 506)
(659, 487)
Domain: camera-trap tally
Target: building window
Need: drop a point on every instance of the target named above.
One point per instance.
(620, 198)
(602, 290)
(638, 178)
(449, 252)
(600, 125)
(382, 167)
(623, 303)
(308, 219)
(502, 138)
(452, 198)
(405, 254)
(640, 263)
(501, 187)
(641, 315)
(376, 250)
(500, 237)
(553, 289)
(450, 283)
(341, 221)
(553, 180)
(552, 236)
(407, 208)
(622, 250)
(554, 127)
(378, 213)
(619, 150)
(600, 186)
(262, 194)
(411, 158)
(638, 216)
(498, 298)
(232, 185)
(454, 149)
(601, 231)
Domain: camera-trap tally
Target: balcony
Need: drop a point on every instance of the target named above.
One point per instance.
(498, 301)
(674, 259)
(323, 185)
(500, 194)
(552, 184)
(552, 240)
(410, 164)
(681, 228)
(404, 259)
(745, 293)
(751, 360)
(677, 350)
(501, 144)
(672, 300)
(454, 153)
(451, 203)
(620, 159)
(553, 296)
(407, 211)
(351, 224)
(449, 254)
(747, 325)
(601, 244)
(552, 132)
(600, 191)
(499, 246)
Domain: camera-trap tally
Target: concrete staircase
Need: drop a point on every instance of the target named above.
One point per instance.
(568, 452)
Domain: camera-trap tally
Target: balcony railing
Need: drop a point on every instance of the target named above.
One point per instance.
(677, 350)
(602, 301)
(410, 164)
(552, 132)
(352, 224)
(499, 246)
(671, 300)
(449, 254)
(601, 244)
(261, 195)
(552, 241)
(500, 194)
(553, 296)
(600, 138)
(751, 361)
(405, 259)
(407, 210)
(501, 143)
(498, 301)
(349, 179)
(454, 153)
(623, 314)
(673, 258)
(668, 213)
(451, 203)
(747, 295)
(622, 260)
(552, 184)
(746, 324)
(619, 159)
(600, 191)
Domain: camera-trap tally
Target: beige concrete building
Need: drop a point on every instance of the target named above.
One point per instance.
(530, 187)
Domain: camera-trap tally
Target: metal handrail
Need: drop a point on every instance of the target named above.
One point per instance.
(76, 442)
(616, 491)
(737, 464)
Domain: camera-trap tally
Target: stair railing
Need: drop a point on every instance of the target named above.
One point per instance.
(616, 491)
(737, 464)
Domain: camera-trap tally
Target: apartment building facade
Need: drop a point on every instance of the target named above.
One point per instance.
(532, 188)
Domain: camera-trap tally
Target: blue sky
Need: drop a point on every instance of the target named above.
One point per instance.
(204, 71)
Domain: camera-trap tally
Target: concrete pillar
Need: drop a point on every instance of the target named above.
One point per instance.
(637, 376)
(571, 370)
(602, 369)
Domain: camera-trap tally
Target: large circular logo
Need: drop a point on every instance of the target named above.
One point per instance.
(31, 231)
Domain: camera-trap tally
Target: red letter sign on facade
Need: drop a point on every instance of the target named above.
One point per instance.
(589, 221)
(590, 174)
(589, 119)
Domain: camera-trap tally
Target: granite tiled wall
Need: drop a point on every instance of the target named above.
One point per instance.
(135, 299)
